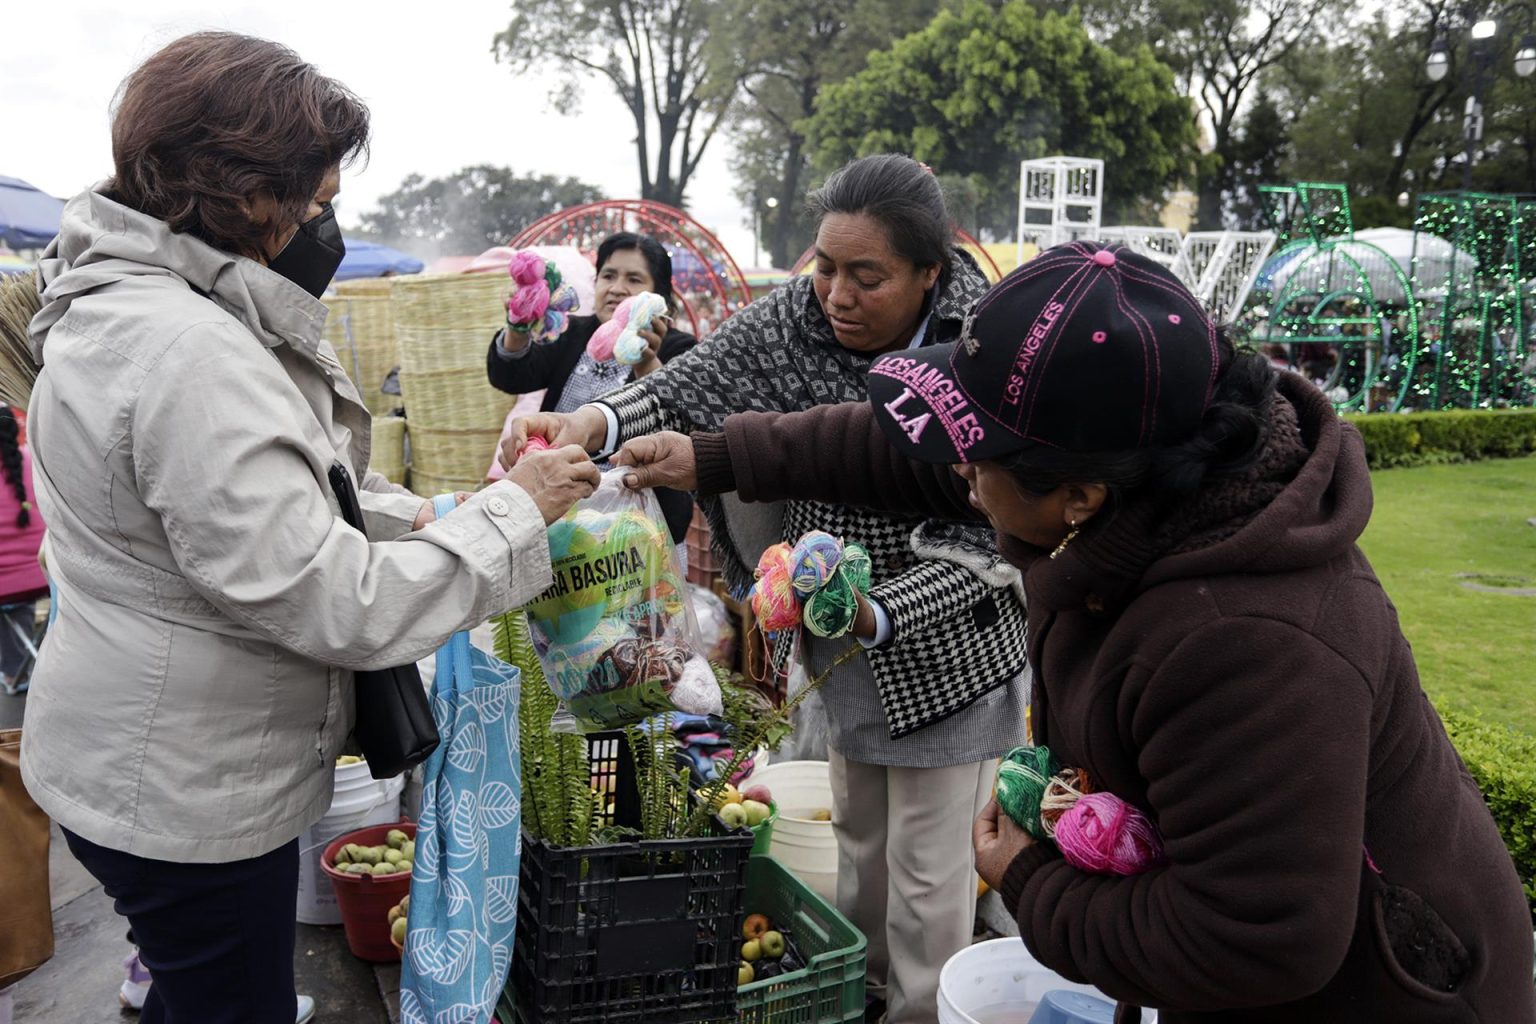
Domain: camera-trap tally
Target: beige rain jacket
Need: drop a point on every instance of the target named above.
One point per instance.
(197, 685)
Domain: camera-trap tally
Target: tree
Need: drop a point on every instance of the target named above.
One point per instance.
(656, 54)
(788, 51)
(1367, 114)
(471, 211)
(1257, 152)
(984, 86)
(1219, 50)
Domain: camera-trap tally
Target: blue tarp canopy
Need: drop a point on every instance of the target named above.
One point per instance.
(369, 259)
(29, 217)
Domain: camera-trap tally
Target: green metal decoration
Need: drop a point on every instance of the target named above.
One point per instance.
(1331, 304)
(1474, 253)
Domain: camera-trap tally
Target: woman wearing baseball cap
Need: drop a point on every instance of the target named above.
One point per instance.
(1208, 643)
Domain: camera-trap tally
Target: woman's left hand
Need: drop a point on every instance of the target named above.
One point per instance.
(997, 840)
(651, 361)
(427, 513)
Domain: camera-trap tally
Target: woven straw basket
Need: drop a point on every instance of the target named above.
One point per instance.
(442, 350)
(475, 302)
(361, 328)
(462, 454)
(387, 455)
(444, 325)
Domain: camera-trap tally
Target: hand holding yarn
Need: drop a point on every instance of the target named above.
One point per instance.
(619, 338)
(817, 583)
(1096, 832)
(540, 303)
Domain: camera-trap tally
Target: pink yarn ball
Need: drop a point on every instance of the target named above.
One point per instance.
(1104, 835)
(526, 267)
(528, 303)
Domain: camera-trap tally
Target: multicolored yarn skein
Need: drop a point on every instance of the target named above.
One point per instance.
(816, 583)
(619, 338)
(540, 303)
(773, 599)
(1096, 832)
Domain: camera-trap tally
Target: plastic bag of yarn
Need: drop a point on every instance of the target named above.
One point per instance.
(615, 631)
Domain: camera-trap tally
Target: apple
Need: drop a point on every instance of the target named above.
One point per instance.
(772, 944)
(757, 812)
(754, 926)
(397, 931)
(759, 792)
(395, 839)
(744, 974)
(734, 815)
(752, 950)
(728, 794)
(821, 814)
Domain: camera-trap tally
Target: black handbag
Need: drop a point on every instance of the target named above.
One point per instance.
(393, 724)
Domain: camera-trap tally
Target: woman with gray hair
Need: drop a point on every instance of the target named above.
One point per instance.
(939, 692)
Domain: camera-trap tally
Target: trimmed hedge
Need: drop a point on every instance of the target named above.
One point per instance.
(1504, 764)
(1456, 435)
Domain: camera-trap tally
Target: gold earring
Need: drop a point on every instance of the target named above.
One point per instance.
(1067, 539)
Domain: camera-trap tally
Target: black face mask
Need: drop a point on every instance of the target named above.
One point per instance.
(312, 255)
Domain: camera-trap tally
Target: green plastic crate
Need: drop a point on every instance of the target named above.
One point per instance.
(830, 988)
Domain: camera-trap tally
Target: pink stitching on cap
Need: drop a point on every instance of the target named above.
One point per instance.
(1099, 337)
(1104, 258)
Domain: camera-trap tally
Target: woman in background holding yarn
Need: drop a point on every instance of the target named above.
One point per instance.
(627, 264)
(1210, 647)
(21, 534)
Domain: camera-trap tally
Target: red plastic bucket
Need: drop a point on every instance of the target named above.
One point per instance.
(365, 899)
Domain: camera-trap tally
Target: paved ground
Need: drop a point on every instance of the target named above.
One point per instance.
(79, 985)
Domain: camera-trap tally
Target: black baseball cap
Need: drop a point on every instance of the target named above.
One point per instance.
(1085, 347)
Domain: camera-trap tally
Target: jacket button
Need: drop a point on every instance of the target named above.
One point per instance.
(498, 506)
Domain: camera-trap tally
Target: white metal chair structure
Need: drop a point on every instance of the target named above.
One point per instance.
(1061, 199)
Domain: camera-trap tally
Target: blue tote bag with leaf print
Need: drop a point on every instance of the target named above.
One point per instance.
(458, 945)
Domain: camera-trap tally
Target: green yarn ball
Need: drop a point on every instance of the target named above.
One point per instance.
(1021, 781)
(857, 566)
(830, 611)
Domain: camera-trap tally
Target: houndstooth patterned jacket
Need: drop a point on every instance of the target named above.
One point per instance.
(958, 618)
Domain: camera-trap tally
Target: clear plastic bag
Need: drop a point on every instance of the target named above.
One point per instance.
(615, 632)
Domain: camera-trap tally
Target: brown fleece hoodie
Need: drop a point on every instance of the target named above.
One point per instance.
(1329, 858)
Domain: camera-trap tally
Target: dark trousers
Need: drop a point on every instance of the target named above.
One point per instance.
(216, 938)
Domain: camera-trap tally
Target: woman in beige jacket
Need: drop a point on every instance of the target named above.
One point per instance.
(196, 687)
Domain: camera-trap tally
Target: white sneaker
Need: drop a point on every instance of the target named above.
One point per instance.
(306, 1010)
(136, 982)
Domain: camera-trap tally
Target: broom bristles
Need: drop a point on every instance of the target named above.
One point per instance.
(19, 303)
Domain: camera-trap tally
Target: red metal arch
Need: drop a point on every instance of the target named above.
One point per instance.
(966, 240)
(707, 294)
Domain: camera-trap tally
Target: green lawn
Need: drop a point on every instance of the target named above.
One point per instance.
(1475, 650)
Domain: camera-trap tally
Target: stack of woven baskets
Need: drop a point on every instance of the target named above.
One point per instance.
(361, 328)
(443, 324)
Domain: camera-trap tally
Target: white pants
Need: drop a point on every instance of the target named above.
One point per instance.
(906, 875)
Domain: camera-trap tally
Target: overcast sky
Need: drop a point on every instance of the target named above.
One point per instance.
(440, 102)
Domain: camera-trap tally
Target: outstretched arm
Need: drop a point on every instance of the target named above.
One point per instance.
(831, 453)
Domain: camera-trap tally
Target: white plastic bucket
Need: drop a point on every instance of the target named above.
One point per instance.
(359, 800)
(1000, 981)
(807, 847)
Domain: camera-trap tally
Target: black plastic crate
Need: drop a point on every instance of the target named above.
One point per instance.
(629, 932)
